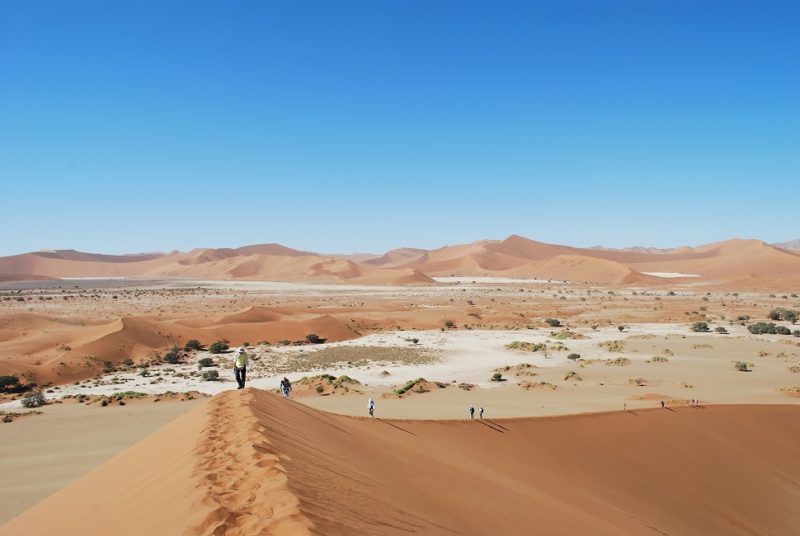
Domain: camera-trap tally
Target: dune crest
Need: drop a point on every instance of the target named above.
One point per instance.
(249, 462)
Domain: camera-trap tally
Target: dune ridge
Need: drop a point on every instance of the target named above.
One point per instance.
(736, 263)
(247, 462)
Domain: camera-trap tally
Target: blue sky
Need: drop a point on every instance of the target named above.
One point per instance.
(362, 126)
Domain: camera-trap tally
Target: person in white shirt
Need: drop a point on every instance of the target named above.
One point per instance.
(240, 367)
(371, 407)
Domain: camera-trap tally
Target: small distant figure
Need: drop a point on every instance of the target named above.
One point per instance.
(663, 405)
(471, 411)
(286, 387)
(625, 406)
(371, 407)
(240, 367)
(480, 412)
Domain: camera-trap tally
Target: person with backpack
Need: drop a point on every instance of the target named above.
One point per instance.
(286, 387)
(371, 407)
(240, 367)
(471, 411)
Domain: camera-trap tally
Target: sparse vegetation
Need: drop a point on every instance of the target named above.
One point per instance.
(449, 324)
(763, 328)
(193, 344)
(497, 377)
(781, 313)
(700, 327)
(206, 362)
(34, 400)
(658, 359)
(553, 322)
(210, 375)
(572, 375)
(721, 330)
(527, 346)
(218, 347)
(743, 366)
(574, 357)
(8, 381)
(638, 382)
(313, 338)
(618, 362)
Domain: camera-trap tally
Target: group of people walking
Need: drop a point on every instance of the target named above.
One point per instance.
(471, 411)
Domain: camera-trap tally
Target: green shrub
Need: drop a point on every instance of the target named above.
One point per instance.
(218, 347)
(781, 313)
(721, 330)
(320, 389)
(193, 344)
(449, 324)
(497, 377)
(172, 358)
(313, 338)
(34, 400)
(8, 381)
(553, 322)
(574, 357)
(210, 375)
(700, 327)
(206, 362)
(742, 366)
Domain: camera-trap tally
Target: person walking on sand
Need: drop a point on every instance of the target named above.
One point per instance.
(662, 404)
(240, 367)
(471, 411)
(480, 412)
(286, 387)
(371, 407)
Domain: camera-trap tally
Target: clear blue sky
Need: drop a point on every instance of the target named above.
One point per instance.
(360, 126)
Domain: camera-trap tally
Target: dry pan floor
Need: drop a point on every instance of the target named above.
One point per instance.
(248, 462)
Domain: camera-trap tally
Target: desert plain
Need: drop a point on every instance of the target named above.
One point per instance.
(622, 391)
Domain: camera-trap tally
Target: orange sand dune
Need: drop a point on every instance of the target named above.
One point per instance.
(248, 462)
(271, 262)
(61, 350)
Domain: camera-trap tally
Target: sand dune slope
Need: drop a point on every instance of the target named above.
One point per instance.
(248, 462)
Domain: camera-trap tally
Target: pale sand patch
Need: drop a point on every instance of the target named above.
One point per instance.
(43, 453)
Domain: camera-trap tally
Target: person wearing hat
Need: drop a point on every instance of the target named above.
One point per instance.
(240, 367)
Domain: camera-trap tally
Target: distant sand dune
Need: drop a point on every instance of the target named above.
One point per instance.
(248, 462)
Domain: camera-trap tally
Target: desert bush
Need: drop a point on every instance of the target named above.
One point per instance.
(497, 377)
(34, 400)
(210, 375)
(638, 382)
(193, 344)
(742, 366)
(659, 359)
(618, 362)
(721, 330)
(574, 357)
(449, 324)
(527, 346)
(700, 327)
(319, 389)
(796, 333)
(218, 347)
(206, 362)
(172, 358)
(8, 381)
(781, 313)
(553, 322)
(572, 375)
(127, 362)
(313, 338)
